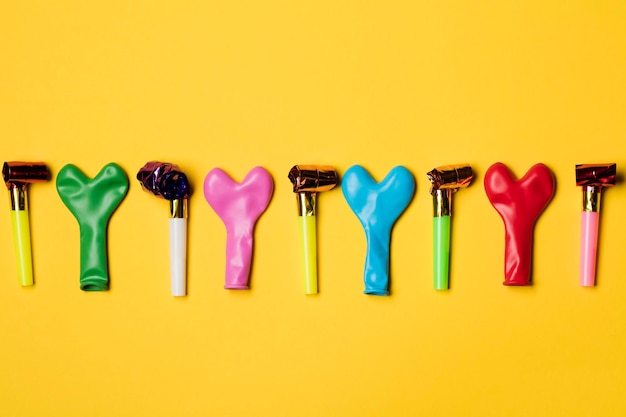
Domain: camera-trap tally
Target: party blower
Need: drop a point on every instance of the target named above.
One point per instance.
(167, 181)
(17, 176)
(446, 180)
(92, 202)
(308, 180)
(593, 178)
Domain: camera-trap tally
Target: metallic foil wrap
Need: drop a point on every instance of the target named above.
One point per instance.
(442, 203)
(18, 197)
(445, 180)
(591, 199)
(178, 208)
(306, 204)
(164, 180)
(594, 177)
(450, 177)
(312, 178)
(598, 175)
(17, 175)
(24, 172)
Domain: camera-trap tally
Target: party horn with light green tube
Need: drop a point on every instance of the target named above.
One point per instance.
(446, 180)
(17, 176)
(308, 180)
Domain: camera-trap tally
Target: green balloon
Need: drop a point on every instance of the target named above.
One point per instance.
(92, 202)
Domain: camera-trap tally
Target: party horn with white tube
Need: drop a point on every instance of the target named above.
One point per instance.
(167, 181)
(593, 178)
(445, 180)
(17, 176)
(308, 180)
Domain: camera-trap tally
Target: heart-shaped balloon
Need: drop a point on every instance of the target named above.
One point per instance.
(239, 205)
(92, 202)
(377, 206)
(519, 203)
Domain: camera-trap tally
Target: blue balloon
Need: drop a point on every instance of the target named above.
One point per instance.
(377, 205)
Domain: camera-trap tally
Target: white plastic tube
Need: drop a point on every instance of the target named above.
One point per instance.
(178, 256)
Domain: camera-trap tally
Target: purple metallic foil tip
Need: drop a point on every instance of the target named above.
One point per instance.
(164, 180)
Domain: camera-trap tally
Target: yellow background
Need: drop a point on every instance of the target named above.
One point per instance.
(235, 84)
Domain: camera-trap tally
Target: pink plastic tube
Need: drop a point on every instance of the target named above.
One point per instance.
(588, 248)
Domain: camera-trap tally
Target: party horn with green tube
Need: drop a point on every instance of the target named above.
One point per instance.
(308, 180)
(445, 180)
(17, 176)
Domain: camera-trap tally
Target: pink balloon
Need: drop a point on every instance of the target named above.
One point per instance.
(239, 205)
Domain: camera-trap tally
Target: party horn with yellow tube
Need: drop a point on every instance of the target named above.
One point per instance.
(308, 180)
(445, 180)
(17, 176)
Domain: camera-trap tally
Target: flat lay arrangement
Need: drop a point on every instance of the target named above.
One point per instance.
(377, 205)
(313, 209)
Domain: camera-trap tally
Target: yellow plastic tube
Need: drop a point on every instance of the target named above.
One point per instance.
(21, 242)
(308, 245)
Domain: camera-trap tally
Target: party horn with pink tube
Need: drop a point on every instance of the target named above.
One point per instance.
(167, 181)
(593, 178)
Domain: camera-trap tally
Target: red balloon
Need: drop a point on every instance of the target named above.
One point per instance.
(519, 203)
